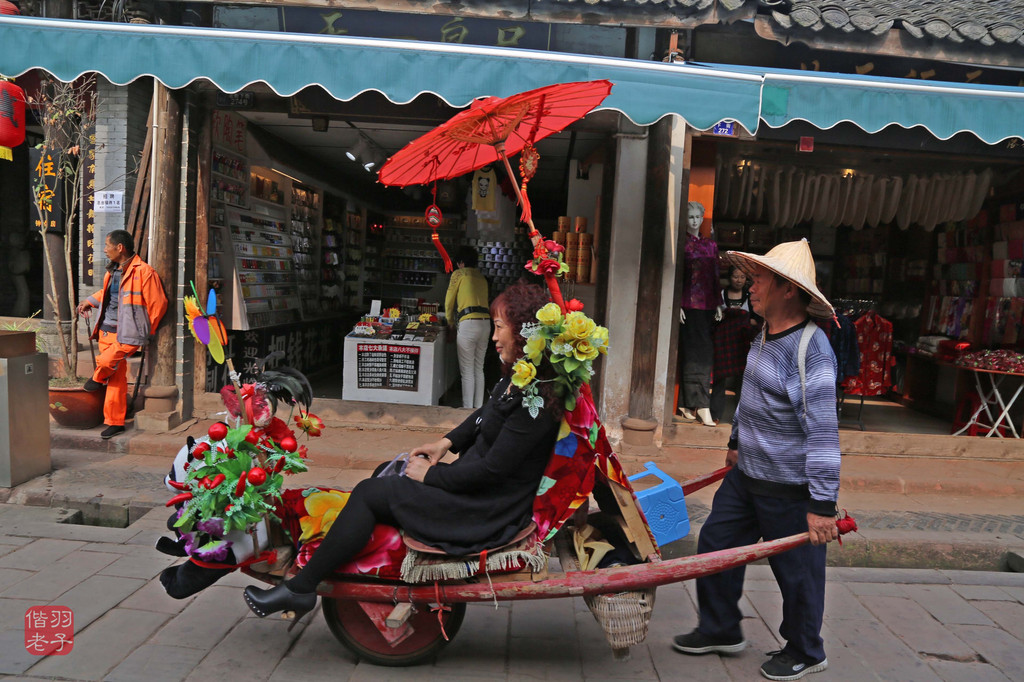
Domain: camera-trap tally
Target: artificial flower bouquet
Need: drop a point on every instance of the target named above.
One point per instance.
(570, 342)
(233, 479)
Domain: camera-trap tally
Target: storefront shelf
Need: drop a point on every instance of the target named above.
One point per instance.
(229, 203)
(268, 202)
(230, 177)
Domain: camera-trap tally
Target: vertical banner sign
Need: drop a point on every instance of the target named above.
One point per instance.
(229, 131)
(46, 196)
(88, 225)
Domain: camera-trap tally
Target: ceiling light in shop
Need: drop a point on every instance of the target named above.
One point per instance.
(374, 161)
(359, 151)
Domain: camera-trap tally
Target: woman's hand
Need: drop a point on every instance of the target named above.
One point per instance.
(417, 467)
(435, 451)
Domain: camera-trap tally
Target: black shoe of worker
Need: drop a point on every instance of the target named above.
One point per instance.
(92, 385)
(696, 643)
(111, 431)
(782, 666)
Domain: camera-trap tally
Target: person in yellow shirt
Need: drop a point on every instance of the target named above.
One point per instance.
(465, 307)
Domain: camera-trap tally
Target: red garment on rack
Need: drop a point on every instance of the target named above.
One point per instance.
(874, 339)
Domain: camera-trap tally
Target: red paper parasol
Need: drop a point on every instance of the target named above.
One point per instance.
(494, 128)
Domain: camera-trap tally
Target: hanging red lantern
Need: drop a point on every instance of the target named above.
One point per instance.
(8, 8)
(12, 118)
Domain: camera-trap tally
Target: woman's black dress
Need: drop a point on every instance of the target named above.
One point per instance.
(482, 499)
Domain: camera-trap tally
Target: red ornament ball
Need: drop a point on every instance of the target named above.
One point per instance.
(252, 437)
(288, 444)
(218, 431)
(257, 476)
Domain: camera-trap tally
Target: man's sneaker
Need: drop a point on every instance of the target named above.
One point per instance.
(92, 385)
(697, 642)
(782, 666)
(111, 431)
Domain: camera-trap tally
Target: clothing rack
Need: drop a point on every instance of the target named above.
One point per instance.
(854, 307)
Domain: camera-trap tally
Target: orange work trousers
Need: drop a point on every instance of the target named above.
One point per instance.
(112, 370)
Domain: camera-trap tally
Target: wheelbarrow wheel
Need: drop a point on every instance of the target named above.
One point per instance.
(356, 631)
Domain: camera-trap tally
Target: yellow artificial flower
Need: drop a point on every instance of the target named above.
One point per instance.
(534, 348)
(584, 350)
(600, 339)
(579, 326)
(322, 509)
(523, 372)
(550, 314)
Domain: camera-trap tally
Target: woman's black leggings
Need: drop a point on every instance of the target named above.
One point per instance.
(368, 505)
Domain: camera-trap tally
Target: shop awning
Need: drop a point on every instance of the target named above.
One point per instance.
(992, 113)
(347, 66)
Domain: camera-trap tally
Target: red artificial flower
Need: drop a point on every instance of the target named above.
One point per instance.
(303, 451)
(539, 251)
(310, 423)
(546, 266)
(574, 305)
(553, 246)
(278, 430)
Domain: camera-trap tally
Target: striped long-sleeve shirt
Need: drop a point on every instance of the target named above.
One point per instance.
(789, 451)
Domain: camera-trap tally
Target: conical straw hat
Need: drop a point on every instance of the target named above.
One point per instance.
(792, 261)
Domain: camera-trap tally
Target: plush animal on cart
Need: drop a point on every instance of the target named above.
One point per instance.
(227, 482)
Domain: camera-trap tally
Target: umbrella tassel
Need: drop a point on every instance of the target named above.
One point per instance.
(440, 249)
(527, 213)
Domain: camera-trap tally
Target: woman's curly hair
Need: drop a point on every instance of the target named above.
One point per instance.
(517, 305)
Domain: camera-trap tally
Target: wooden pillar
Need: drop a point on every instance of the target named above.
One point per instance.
(652, 236)
(202, 249)
(162, 393)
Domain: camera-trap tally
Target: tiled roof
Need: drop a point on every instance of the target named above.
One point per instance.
(988, 22)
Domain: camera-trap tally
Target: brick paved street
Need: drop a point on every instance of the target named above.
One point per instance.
(881, 624)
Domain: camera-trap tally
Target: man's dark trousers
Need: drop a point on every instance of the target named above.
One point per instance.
(739, 518)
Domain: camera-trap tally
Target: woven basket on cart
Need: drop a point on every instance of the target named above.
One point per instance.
(624, 616)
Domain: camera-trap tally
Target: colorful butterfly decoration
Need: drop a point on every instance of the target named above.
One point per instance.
(205, 326)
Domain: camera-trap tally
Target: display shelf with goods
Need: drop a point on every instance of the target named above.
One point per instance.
(332, 255)
(354, 244)
(304, 229)
(406, 264)
(229, 191)
(502, 262)
(265, 291)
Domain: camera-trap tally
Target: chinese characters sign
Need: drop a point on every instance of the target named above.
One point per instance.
(47, 198)
(108, 202)
(441, 29)
(229, 131)
(384, 365)
(49, 630)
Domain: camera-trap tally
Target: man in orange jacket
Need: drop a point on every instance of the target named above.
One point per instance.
(131, 303)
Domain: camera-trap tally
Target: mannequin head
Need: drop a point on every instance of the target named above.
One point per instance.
(694, 218)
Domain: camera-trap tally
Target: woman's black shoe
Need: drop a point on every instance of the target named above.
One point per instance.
(279, 598)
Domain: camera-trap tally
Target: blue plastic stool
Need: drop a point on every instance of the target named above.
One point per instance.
(663, 506)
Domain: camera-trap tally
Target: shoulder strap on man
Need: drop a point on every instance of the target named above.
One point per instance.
(801, 358)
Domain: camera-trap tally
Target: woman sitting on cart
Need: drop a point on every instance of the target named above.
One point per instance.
(480, 501)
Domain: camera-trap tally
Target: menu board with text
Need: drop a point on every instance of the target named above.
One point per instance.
(383, 365)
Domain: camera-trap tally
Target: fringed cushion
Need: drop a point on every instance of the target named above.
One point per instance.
(423, 567)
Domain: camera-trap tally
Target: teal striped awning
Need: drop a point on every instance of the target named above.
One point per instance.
(645, 92)
(992, 113)
(347, 66)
